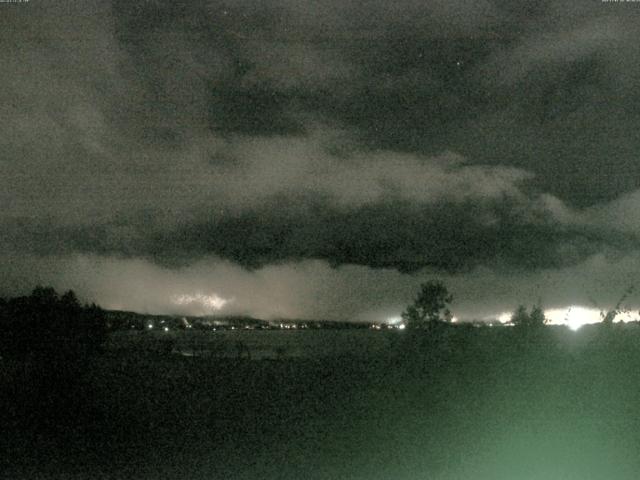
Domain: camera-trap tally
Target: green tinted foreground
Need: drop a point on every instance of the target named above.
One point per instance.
(472, 404)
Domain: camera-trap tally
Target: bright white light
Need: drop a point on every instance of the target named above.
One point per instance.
(211, 302)
(402, 326)
(627, 317)
(578, 316)
(166, 329)
(573, 317)
(394, 320)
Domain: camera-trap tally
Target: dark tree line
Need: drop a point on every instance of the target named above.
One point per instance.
(532, 320)
(430, 308)
(47, 326)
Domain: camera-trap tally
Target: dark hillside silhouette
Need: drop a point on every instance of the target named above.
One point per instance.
(45, 326)
(47, 342)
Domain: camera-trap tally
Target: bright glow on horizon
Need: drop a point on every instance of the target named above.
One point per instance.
(394, 320)
(209, 303)
(505, 317)
(573, 317)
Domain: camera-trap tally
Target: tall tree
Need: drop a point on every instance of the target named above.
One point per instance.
(431, 305)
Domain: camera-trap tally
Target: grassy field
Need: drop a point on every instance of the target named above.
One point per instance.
(488, 403)
(259, 344)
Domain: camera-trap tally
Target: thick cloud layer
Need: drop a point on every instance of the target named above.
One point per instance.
(421, 138)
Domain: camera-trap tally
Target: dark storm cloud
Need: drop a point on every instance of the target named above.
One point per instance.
(450, 237)
(405, 135)
(453, 237)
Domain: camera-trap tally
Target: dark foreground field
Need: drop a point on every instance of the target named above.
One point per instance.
(472, 404)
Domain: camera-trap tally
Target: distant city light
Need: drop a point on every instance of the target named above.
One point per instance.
(166, 329)
(402, 326)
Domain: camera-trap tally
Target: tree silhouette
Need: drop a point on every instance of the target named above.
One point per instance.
(536, 317)
(70, 301)
(520, 316)
(53, 337)
(528, 320)
(608, 317)
(430, 306)
(46, 326)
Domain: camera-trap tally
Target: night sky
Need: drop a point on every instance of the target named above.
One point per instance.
(320, 159)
